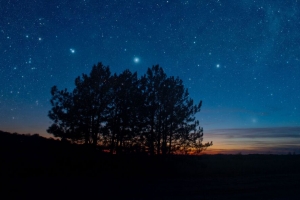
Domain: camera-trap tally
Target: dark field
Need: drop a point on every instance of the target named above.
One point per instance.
(38, 168)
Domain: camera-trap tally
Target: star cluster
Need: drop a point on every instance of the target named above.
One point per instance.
(240, 57)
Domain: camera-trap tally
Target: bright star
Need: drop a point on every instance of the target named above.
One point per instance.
(136, 60)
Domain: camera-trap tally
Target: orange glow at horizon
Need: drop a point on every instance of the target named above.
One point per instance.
(253, 142)
(244, 141)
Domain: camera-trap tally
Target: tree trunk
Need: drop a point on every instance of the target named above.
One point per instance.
(170, 138)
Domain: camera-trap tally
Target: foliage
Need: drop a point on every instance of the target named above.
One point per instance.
(123, 113)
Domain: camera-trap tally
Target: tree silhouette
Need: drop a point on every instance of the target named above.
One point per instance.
(92, 96)
(152, 83)
(124, 114)
(61, 114)
(170, 110)
(82, 114)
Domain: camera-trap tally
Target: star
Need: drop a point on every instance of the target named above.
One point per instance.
(136, 60)
(218, 65)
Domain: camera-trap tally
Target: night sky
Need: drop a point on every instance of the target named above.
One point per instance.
(241, 57)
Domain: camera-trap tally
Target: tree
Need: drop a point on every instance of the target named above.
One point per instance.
(169, 109)
(152, 84)
(61, 114)
(189, 139)
(82, 113)
(123, 113)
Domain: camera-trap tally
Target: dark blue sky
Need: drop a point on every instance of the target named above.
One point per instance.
(240, 57)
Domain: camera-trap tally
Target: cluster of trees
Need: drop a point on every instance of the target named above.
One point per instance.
(123, 113)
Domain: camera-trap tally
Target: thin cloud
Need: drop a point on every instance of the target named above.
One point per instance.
(274, 132)
(275, 140)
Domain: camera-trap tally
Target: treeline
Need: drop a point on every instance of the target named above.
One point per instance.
(122, 113)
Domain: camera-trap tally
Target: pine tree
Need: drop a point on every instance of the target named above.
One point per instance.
(123, 113)
(82, 113)
(123, 119)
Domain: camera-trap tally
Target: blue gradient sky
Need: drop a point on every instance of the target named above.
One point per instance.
(240, 57)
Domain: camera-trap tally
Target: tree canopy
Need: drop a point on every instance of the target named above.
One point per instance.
(126, 114)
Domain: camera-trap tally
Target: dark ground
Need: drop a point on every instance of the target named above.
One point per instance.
(34, 167)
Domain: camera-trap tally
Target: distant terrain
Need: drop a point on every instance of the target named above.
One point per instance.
(33, 166)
